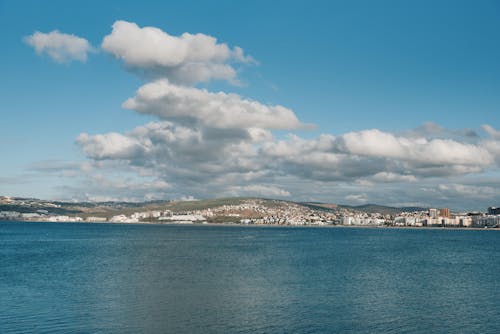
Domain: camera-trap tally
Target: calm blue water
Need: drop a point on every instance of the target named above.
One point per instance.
(88, 278)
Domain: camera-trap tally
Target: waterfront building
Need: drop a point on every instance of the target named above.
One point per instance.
(486, 221)
(433, 213)
(123, 219)
(95, 219)
(444, 212)
(463, 221)
(494, 210)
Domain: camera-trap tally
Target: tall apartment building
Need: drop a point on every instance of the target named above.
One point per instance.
(444, 212)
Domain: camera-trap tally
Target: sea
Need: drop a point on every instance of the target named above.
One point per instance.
(121, 278)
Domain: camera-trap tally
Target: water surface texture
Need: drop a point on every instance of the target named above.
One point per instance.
(103, 278)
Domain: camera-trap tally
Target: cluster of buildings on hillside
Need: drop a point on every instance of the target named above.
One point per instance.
(271, 212)
(261, 212)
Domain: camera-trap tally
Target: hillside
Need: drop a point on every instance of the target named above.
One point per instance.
(374, 208)
(109, 209)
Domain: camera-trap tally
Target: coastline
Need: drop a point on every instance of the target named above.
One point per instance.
(263, 225)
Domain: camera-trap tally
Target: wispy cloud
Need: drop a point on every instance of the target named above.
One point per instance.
(61, 47)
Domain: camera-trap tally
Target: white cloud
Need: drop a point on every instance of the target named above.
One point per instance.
(462, 190)
(435, 151)
(357, 198)
(258, 190)
(110, 146)
(218, 110)
(187, 59)
(393, 177)
(127, 184)
(62, 48)
(175, 152)
(491, 131)
(380, 156)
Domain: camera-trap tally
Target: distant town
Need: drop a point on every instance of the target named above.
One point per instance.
(245, 211)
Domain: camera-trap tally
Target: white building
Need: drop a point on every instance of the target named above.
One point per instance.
(123, 219)
(183, 218)
(486, 221)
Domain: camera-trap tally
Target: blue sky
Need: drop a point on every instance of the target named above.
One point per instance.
(359, 71)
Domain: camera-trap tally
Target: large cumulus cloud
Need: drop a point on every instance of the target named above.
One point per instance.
(197, 158)
(185, 59)
(382, 155)
(217, 110)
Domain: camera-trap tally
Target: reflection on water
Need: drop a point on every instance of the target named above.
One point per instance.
(201, 279)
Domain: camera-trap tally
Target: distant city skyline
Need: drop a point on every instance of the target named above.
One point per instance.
(390, 102)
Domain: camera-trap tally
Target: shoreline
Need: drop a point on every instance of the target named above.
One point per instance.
(267, 225)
